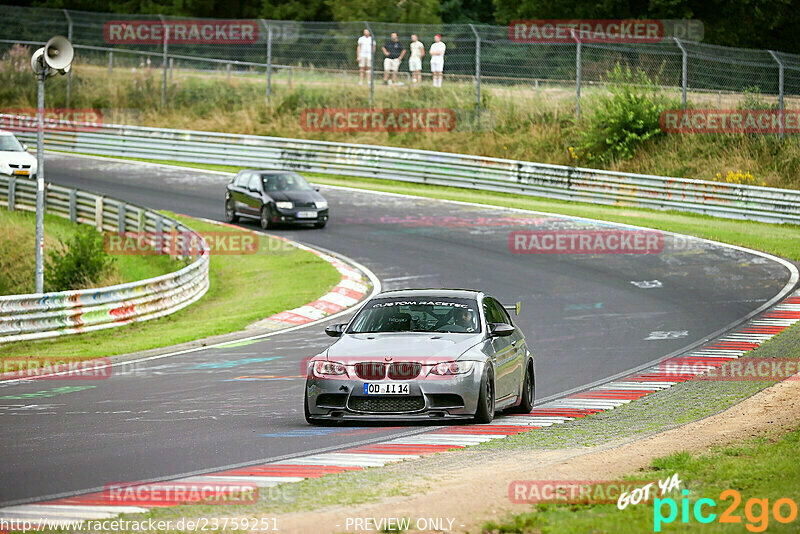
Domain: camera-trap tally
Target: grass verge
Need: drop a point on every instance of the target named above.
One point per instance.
(761, 470)
(17, 258)
(244, 289)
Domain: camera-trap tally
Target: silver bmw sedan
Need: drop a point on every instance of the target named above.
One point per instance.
(419, 355)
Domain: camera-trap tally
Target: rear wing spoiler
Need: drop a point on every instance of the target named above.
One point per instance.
(516, 308)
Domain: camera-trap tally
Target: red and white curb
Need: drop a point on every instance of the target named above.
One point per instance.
(605, 397)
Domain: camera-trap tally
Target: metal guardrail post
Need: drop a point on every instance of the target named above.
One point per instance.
(477, 68)
(269, 58)
(12, 189)
(577, 74)
(98, 214)
(73, 205)
(684, 71)
(372, 63)
(159, 244)
(164, 65)
(780, 93)
(121, 218)
(69, 38)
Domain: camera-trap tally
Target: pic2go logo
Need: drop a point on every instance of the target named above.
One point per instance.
(756, 511)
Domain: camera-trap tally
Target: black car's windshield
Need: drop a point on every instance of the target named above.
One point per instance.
(285, 182)
(9, 143)
(434, 314)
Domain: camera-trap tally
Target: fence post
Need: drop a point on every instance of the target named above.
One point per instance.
(164, 64)
(684, 71)
(69, 73)
(372, 64)
(12, 188)
(780, 93)
(73, 205)
(121, 218)
(110, 63)
(98, 213)
(577, 74)
(477, 68)
(269, 58)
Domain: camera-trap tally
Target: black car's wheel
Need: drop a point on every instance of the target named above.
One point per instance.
(526, 402)
(320, 224)
(230, 211)
(485, 412)
(264, 219)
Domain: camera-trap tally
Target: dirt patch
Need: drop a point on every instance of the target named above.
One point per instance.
(473, 493)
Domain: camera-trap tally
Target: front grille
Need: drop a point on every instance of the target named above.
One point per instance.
(370, 370)
(331, 400)
(445, 400)
(389, 404)
(404, 370)
(18, 166)
(301, 204)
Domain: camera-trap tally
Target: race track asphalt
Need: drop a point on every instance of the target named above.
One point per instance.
(583, 314)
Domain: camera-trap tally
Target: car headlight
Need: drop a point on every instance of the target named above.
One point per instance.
(284, 205)
(325, 368)
(322, 204)
(451, 368)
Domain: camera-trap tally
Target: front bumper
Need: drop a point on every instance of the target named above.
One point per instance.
(428, 399)
(291, 216)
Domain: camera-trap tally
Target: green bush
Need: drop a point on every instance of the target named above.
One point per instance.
(620, 122)
(78, 263)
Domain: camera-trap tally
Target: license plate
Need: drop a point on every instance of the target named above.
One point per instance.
(306, 214)
(385, 388)
(20, 172)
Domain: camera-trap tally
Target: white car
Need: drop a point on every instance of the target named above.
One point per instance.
(14, 157)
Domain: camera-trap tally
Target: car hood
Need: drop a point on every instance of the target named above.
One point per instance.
(16, 157)
(296, 196)
(397, 345)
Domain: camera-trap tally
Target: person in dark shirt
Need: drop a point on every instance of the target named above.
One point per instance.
(394, 52)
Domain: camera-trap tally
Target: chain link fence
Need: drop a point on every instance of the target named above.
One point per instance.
(478, 56)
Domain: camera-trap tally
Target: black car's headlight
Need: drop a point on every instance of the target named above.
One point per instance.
(321, 204)
(284, 205)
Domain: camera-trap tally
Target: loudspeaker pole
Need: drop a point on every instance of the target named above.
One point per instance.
(40, 183)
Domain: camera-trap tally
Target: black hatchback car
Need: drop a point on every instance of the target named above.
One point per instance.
(274, 197)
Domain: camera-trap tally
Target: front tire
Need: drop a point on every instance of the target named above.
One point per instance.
(264, 220)
(485, 412)
(230, 211)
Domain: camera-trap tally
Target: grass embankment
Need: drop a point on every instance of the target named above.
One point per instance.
(244, 288)
(763, 469)
(18, 260)
(518, 122)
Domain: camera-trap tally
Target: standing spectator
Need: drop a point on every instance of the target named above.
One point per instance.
(366, 47)
(394, 52)
(437, 60)
(415, 59)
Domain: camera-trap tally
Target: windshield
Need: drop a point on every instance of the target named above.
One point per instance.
(9, 143)
(435, 314)
(285, 182)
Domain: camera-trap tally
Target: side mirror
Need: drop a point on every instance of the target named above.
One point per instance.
(335, 330)
(316, 189)
(25, 147)
(500, 329)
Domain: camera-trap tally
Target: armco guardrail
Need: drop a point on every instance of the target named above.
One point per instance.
(37, 316)
(422, 166)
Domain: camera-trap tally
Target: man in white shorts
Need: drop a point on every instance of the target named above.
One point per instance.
(394, 52)
(415, 59)
(437, 60)
(366, 47)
